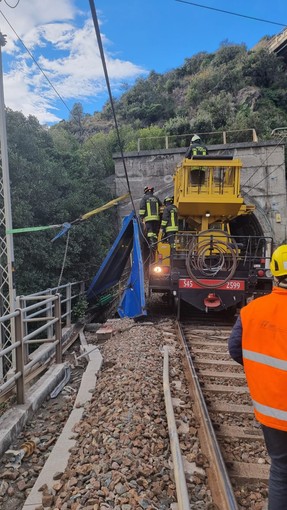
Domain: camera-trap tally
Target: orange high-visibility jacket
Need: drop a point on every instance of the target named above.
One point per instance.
(264, 348)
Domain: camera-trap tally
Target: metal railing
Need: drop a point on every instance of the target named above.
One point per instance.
(275, 42)
(210, 138)
(37, 320)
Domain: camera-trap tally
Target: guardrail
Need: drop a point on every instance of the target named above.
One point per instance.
(277, 40)
(37, 320)
(213, 137)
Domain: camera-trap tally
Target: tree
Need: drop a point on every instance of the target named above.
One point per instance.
(48, 187)
(76, 121)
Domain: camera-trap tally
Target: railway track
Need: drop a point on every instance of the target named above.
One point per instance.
(231, 439)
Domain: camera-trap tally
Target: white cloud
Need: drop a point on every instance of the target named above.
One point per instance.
(63, 42)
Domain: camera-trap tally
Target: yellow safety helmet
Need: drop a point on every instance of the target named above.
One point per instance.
(278, 263)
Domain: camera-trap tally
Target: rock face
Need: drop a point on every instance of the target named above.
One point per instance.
(248, 96)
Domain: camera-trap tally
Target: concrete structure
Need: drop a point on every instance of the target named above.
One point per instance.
(58, 459)
(263, 179)
(278, 44)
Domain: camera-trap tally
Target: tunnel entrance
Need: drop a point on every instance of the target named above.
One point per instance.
(246, 226)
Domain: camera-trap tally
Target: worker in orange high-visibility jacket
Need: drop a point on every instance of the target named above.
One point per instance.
(259, 341)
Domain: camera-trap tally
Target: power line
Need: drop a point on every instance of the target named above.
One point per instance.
(262, 164)
(35, 61)
(232, 13)
(12, 6)
(45, 76)
(98, 35)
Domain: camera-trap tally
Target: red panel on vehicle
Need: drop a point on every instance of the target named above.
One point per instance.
(187, 283)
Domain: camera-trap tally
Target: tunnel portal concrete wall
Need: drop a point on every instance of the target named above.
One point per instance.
(263, 179)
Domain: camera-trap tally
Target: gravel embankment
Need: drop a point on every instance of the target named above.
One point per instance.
(122, 456)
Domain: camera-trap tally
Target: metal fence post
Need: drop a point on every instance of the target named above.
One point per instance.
(58, 329)
(21, 303)
(254, 135)
(20, 382)
(68, 305)
(49, 313)
(224, 136)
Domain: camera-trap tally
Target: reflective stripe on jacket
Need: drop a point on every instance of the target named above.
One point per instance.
(196, 149)
(169, 219)
(199, 150)
(264, 349)
(149, 207)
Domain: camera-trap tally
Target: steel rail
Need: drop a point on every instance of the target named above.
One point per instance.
(179, 475)
(220, 484)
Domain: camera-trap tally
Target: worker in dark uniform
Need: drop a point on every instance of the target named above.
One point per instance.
(169, 222)
(150, 213)
(196, 148)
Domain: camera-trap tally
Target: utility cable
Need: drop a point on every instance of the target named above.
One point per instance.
(232, 13)
(263, 179)
(53, 87)
(64, 262)
(263, 163)
(35, 61)
(12, 6)
(98, 34)
(45, 75)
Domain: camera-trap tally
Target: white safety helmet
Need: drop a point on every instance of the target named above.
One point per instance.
(195, 138)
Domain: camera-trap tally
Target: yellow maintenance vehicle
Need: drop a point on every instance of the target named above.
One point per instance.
(221, 256)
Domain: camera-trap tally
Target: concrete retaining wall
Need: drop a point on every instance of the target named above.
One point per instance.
(263, 180)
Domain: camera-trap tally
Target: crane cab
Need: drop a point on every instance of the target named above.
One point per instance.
(208, 190)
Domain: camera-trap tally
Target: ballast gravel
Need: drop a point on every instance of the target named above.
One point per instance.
(122, 458)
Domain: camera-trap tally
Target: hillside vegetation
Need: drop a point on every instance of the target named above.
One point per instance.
(230, 89)
(57, 174)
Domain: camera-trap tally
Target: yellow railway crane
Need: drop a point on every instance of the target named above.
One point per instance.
(212, 266)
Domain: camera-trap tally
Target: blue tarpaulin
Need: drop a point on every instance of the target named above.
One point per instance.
(132, 303)
(133, 300)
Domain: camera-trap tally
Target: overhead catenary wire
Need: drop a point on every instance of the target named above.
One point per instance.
(64, 262)
(99, 39)
(263, 179)
(35, 62)
(12, 6)
(107, 79)
(263, 163)
(232, 13)
(44, 74)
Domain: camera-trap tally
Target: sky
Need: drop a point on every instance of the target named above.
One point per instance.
(138, 36)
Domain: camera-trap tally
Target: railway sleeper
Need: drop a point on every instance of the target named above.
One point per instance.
(232, 431)
(245, 471)
(223, 363)
(220, 388)
(221, 375)
(231, 408)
